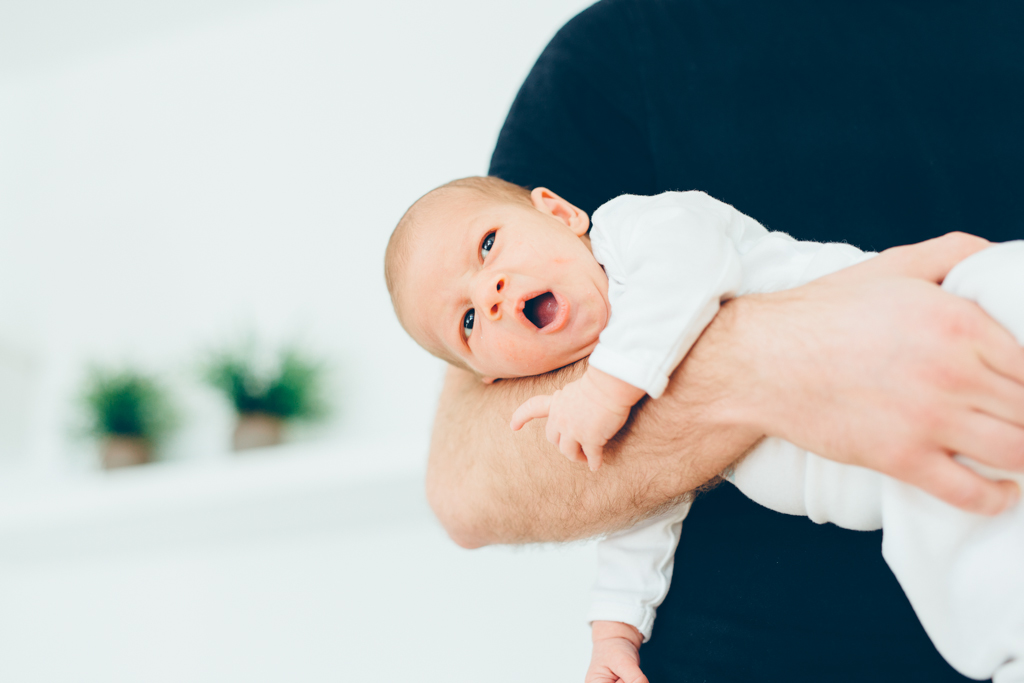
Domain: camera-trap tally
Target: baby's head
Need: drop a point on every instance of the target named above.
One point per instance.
(497, 279)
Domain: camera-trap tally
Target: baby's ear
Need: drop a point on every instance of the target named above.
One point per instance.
(546, 201)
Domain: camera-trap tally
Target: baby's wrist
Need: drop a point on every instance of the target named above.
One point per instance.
(605, 630)
(617, 391)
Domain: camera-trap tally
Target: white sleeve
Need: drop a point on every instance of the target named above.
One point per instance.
(634, 570)
(670, 261)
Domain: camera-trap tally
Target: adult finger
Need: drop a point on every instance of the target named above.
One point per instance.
(1001, 398)
(532, 409)
(929, 260)
(961, 487)
(987, 439)
(1001, 352)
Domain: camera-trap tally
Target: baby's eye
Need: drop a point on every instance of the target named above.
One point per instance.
(485, 246)
(467, 323)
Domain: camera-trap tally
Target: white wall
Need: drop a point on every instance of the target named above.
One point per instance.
(172, 172)
(172, 176)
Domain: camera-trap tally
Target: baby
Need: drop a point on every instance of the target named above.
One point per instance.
(505, 282)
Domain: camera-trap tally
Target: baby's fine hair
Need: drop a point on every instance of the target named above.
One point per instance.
(401, 244)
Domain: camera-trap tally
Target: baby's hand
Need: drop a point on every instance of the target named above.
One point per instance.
(584, 415)
(616, 655)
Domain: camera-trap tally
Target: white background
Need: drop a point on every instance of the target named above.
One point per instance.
(174, 174)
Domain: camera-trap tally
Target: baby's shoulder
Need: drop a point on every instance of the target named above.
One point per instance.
(632, 207)
(627, 216)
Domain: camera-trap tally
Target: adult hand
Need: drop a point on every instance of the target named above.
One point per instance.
(929, 375)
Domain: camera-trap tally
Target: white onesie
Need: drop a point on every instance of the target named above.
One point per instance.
(670, 260)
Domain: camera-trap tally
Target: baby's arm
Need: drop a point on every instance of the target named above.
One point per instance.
(634, 572)
(670, 260)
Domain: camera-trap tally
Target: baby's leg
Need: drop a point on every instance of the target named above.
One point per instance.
(784, 477)
(964, 573)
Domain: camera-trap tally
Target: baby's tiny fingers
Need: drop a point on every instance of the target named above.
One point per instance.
(534, 408)
(629, 672)
(595, 455)
(571, 449)
(601, 675)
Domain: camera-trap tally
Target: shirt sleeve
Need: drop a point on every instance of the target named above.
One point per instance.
(670, 260)
(634, 570)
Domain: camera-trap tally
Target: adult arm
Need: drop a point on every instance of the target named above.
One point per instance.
(873, 366)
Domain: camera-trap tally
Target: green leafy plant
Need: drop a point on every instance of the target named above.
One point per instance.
(290, 390)
(126, 403)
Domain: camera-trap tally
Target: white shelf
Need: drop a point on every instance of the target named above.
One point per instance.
(288, 489)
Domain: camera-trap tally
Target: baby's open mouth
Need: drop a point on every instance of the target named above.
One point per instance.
(541, 310)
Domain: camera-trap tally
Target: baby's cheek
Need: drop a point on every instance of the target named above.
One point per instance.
(512, 357)
(514, 352)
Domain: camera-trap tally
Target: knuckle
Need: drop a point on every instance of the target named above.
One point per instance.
(947, 375)
(902, 464)
(964, 242)
(932, 423)
(942, 375)
(910, 462)
(959, 320)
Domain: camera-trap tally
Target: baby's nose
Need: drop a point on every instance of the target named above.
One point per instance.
(495, 297)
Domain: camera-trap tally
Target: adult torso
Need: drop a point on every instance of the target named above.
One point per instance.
(878, 123)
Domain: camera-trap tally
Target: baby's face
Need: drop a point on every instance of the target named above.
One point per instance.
(510, 289)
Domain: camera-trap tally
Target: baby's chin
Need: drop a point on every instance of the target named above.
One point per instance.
(563, 360)
(540, 366)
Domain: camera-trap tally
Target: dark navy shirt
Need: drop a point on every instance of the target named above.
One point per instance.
(876, 122)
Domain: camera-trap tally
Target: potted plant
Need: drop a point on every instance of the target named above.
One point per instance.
(129, 413)
(265, 400)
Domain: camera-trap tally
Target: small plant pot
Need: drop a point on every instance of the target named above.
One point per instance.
(125, 451)
(257, 430)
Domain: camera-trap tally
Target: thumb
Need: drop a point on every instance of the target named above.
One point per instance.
(534, 408)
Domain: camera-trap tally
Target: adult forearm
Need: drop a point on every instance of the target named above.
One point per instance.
(490, 485)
